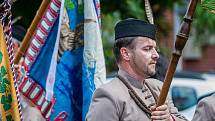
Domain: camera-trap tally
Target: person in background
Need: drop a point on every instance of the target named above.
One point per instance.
(132, 95)
(205, 110)
(18, 32)
(29, 112)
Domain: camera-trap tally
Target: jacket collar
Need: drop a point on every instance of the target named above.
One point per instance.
(134, 82)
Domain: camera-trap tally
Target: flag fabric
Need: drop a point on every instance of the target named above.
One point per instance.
(81, 67)
(39, 65)
(61, 83)
(209, 4)
(94, 65)
(68, 85)
(8, 95)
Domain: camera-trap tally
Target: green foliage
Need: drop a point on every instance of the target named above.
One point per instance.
(134, 9)
(108, 39)
(208, 4)
(204, 24)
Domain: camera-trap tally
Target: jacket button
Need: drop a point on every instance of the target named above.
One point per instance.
(144, 90)
(148, 96)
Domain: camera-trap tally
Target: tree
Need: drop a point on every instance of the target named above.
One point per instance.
(204, 26)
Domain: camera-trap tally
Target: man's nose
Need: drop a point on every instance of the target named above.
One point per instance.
(155, 54)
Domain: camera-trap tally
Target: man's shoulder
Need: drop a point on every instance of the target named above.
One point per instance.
(207, 104)
(208, 99)
(114, 84)
(114, 88)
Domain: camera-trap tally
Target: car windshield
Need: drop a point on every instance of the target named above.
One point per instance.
(183, 97)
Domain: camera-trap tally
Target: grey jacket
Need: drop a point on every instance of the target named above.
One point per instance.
(112, 102)
(205, 110)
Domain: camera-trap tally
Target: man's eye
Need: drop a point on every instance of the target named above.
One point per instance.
(147, 48)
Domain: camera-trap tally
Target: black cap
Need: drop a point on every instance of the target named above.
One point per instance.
(134, 27)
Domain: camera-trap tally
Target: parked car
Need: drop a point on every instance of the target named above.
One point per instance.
(186, 92)
(210, 76)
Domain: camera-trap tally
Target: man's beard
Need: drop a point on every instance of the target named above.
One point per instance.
(150, 72)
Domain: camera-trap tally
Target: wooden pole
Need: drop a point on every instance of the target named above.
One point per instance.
(26, 41)
(181, 40)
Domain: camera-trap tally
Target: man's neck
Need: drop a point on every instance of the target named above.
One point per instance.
(132, 73)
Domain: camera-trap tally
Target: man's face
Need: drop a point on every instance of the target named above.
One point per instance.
(143, 56)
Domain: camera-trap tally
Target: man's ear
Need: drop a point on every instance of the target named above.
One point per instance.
(125, 53)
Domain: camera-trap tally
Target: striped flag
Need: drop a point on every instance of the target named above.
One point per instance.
(8, 96)
(65, 62)
(39, 65)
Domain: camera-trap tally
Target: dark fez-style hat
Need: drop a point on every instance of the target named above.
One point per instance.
(134, 27)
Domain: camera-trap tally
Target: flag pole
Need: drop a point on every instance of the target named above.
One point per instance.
(26, 41)
(181, 40)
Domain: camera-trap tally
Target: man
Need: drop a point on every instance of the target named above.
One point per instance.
(131, 96)
(205, 110)
(18, 32)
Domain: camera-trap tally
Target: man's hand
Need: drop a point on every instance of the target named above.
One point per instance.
(161, 113)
